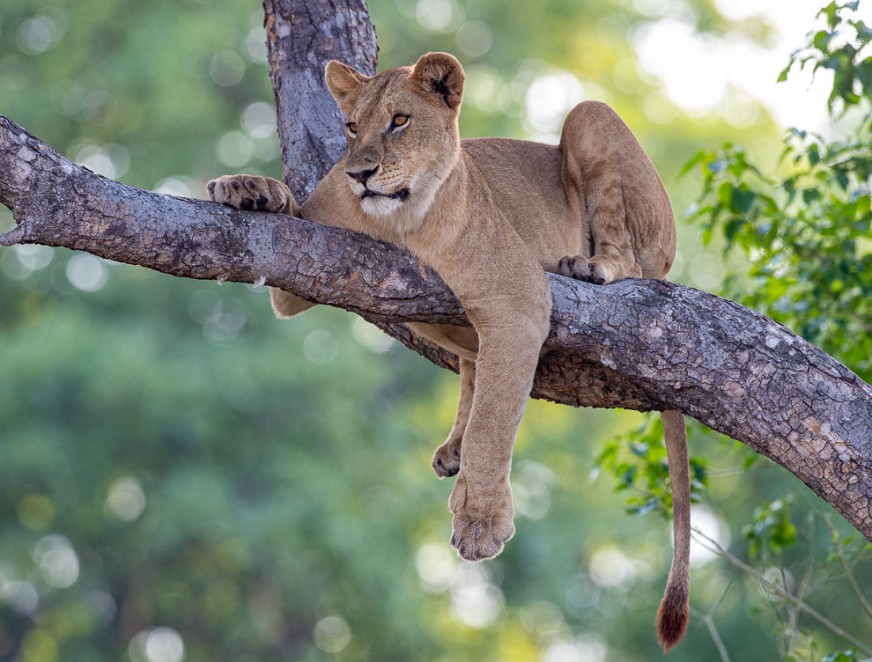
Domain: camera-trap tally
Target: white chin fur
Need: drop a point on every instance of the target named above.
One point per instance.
(380, 206)
(406, 216)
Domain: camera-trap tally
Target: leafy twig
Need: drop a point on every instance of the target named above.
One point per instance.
(849, 573)
(774, 588)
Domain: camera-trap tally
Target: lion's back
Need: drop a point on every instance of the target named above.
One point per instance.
(525, 181)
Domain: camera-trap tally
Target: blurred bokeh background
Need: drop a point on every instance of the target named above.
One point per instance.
(184, 477)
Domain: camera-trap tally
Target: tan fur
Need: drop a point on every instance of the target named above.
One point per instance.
(489, 215)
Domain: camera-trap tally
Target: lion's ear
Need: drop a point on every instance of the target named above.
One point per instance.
(344, 83)
(441, 74)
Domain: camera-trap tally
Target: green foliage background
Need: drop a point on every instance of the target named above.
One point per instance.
(177, 468)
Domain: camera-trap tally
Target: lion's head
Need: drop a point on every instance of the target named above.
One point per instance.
(403, 138)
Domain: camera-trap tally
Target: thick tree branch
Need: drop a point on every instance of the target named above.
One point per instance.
(637, 344)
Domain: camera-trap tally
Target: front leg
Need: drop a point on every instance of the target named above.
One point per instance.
(482, 497)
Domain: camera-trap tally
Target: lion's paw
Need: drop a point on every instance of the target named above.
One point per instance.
(577, 267)
(480, 527)
(250, 192)
(598, 270)
(446, 459)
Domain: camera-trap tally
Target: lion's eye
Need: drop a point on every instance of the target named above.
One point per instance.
(399, 120)
(352, 128)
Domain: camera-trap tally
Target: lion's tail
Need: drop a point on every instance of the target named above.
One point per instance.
(674, 612)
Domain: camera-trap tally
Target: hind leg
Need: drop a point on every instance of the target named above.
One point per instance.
(446, 459)
(598, 150)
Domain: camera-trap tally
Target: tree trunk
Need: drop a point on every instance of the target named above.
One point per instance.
(302, 37)
(639, 344)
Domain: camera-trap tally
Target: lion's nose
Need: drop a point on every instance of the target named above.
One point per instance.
(361, 175)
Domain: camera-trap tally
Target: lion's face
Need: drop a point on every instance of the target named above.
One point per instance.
(402, 134)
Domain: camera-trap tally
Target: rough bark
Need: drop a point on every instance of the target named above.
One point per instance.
(638, 344)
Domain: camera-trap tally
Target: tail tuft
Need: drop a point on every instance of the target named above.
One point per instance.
(672, 617)
(674, 612)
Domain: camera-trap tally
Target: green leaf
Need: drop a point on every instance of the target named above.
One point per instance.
(694, 160)
(643, 507)
(863, 30)
(732, 228)
(639, 449)
(725, 194)
(831, 11)
(742, 199)
(864, 72)
(849, 655)
(629, 476)
(822, 39)
(810, 195)
(833, 63)
(789, 186)
(772, 529)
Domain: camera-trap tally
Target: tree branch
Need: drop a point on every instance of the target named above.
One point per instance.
(639, 344)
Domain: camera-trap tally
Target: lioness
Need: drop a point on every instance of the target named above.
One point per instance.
(491, 216)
